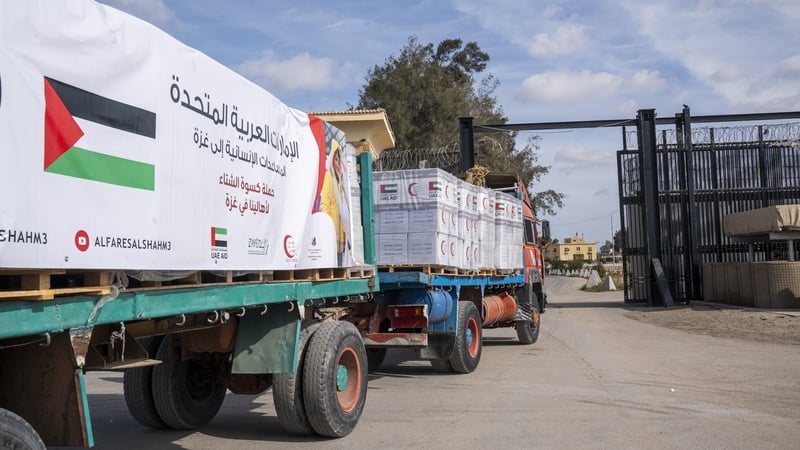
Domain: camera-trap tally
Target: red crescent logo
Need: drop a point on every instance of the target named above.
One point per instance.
(411, 191)
(288, 246)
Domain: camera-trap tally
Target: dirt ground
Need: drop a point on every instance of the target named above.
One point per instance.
(722, 321)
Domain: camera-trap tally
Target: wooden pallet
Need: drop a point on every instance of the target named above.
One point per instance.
(36, 284)
(329, 274)
(47, 284)
(431, 269)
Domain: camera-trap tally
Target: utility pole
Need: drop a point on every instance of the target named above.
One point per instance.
(613, 246)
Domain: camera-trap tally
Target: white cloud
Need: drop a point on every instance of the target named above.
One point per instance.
(301, 72)
(646, 81)
(627, 108)
(569, 86)
(790, 66)
(738, 49)
(567, 39)
(154, 11)
(552, 11)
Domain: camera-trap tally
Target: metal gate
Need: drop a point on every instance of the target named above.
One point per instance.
(677, 184)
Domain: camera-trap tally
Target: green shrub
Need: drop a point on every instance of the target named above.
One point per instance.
(575, 265)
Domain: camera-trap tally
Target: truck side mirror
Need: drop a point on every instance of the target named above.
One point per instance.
(545, 230)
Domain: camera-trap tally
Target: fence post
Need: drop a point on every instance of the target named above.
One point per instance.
(467, 143)
(646, 132)
(693, 221)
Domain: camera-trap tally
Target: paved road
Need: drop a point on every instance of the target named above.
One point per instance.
(595, 379)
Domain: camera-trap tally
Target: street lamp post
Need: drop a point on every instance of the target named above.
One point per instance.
(611, 216)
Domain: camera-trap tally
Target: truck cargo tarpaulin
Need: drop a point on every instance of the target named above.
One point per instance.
(124, 149)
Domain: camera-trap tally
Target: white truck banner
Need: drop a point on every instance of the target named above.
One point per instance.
(124, 149)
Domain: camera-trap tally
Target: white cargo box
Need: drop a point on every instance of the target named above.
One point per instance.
(429, 248)
(414, 187)
(391, 221)
(468, 226)
(469, 197)
(392, 248)
(437, 218)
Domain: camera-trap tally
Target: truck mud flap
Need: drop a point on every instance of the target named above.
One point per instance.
(440, 346)
(267, 343)
(43, 384)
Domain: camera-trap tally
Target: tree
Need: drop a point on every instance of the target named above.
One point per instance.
(425, 90)
(618, 238)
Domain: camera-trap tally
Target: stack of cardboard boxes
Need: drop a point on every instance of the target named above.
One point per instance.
(427, 216)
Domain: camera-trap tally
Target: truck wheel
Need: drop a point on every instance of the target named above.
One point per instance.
(528, 331)
(469, 339)
(138, 388)
(375, 357)
(287, 393)
(16, 433)
(187, 394)
(335, 379)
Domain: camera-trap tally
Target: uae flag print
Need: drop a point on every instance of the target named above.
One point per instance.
(62, 151)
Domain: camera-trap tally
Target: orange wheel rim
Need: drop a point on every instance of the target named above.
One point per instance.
(474, 337)
(348, 379)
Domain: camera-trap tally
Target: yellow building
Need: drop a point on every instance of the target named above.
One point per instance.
(574, 248)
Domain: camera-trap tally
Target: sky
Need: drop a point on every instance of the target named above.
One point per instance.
(564, 60)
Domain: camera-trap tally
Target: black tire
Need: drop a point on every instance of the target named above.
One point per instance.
(528, 331)
(16, 433)
(138, 388)
(287, 393)
(335, 379)
(187, 395)
(441, 365)
(469, 339)
(375, 357)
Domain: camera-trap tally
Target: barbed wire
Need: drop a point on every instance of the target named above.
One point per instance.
(446, 158)
(784, 135)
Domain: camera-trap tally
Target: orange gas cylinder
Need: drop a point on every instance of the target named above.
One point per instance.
(498, 308)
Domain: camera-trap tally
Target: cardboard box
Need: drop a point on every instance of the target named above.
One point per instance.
(486, 199)
(392, 248)
(429, 248)
(485, 256)
(468, 226)
(432, 185)
(436, 218)
(389, 189)
(456, 246)
(469, 255)
(391, 221)
(468, 197)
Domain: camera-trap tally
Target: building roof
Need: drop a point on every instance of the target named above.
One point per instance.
(370, 125)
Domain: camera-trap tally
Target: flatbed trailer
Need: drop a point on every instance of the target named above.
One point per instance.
(182, 347)
(443, 315)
